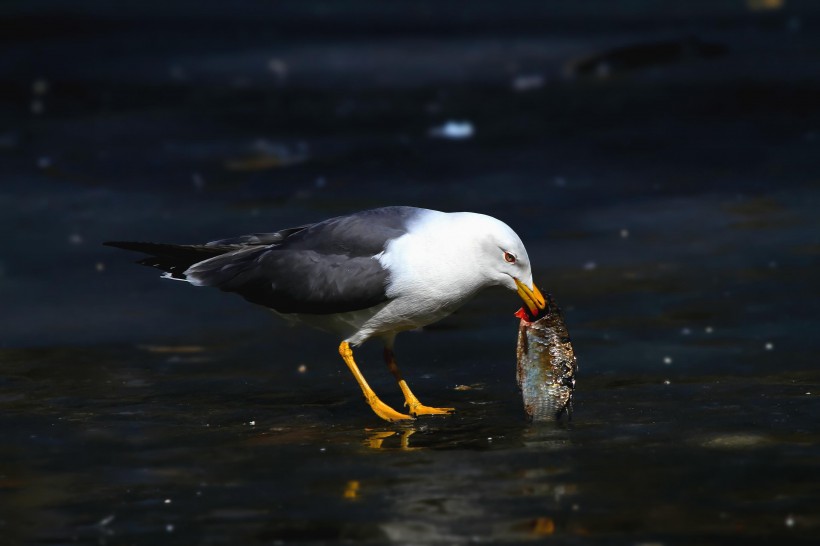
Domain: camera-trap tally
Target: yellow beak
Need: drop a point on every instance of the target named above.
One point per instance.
(532, 297)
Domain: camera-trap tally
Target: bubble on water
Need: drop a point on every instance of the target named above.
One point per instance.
(320, 182)
(685, 331)
(667, 360)
(560, 182)
(198, 181)
(279, 68)
(39, 86)
(772, 264)
(106, 520)
(769, 346)
(624, 233)
(527, 82)
(302, 368)
(169, 528)
(790, 521)
(167, 501)
(37, 107)
(708, 329)
(99, 267)
(43, 162)
(590, 266)
(75, 239)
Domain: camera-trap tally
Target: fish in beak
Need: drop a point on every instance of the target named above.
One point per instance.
(532, 297)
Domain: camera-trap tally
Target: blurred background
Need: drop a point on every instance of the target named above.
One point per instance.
(660, 160)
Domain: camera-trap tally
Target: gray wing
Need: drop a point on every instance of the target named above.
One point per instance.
(328, 267)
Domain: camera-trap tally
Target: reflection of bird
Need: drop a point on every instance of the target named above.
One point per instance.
(370, 274)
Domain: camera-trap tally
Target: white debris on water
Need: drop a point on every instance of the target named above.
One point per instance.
(736, 441)
(590, 266)
(279, 68)
(252, 423)
(667, 382)
(769, 346)
(169, 528)
(302, 368)
(99, 267)
(167, 501)
(527, 82)
(709, 330)
(624, 233)
(39, 86)
(453, 130)
(667, 360)
(790, 521)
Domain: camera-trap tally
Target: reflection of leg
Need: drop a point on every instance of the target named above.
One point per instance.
(375, 439)
(380, 408)
(410, 400)
(405, 439)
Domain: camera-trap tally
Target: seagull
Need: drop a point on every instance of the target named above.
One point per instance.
(370, 274)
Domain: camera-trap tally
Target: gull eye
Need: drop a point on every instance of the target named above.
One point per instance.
(509, 258)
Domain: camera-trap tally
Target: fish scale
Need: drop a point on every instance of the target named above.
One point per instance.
(546, 364)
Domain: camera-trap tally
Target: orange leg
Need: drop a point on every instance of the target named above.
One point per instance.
(416, 408)
(380, 408)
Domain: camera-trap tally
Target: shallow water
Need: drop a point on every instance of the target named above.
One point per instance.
(218, 445)
(670, 207)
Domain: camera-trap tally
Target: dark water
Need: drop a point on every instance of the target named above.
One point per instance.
(661, 165)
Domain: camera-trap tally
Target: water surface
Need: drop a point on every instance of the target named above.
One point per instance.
(669, 204)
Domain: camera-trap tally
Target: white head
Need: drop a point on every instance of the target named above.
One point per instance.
(500, 256)
(451, 256)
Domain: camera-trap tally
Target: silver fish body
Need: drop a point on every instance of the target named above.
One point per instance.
(546, 365)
